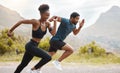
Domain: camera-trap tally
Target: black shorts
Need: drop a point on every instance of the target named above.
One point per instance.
(55, 45)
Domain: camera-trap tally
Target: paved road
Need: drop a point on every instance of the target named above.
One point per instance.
(67, 68)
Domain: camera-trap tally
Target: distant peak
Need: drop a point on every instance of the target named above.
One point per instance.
(114, 8)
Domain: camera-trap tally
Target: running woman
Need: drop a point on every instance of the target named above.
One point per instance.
(65, 28)
(39, 29)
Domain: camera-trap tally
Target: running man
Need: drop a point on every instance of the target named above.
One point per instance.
(65, 28)
(39, 29)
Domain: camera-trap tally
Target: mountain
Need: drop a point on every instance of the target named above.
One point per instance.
(105, 31)
(9, 17)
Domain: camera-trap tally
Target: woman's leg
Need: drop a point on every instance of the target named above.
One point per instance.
(26, 59)
(42, 54)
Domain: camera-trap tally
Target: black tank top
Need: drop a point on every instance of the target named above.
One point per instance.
(38, 33)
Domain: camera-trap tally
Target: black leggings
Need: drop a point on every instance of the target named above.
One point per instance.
(31, 51)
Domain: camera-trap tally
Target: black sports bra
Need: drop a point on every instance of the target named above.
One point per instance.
(38, 33)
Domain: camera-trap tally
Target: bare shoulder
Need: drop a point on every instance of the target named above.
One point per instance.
(35, 21)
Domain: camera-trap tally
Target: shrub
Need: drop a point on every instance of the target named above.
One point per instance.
(92, 49)
(8, 44)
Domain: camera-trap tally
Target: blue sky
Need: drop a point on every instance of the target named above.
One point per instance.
(90, 10)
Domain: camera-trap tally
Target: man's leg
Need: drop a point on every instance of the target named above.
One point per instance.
(52, 53)
(52, 49)
(54, 46)
(68, 51)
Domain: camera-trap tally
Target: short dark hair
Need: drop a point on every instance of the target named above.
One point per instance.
(74, 14)
(43, 8)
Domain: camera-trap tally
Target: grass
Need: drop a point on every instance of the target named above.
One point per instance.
(10, 57)
(74, 58)
(90, 59)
